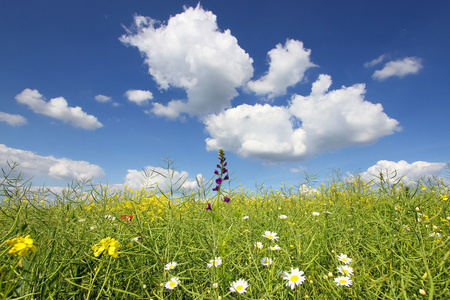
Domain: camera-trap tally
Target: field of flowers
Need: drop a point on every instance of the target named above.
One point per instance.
(347, 239)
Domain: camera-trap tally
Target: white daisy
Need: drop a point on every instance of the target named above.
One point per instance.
(282, 217)
(436, 234)
(345, 259)
(135, 239)
(170, 266)
(316, 214)
(217, 261)
(270, 235)
(281, 274)
(343, 281)
(172, 283)
(275, 248)
(93, 227)
(265, 261)
(109, 217)
(245, 217)
(294, 278)
(258, 245)
(239, 286)
(81, 220)
(345, 270)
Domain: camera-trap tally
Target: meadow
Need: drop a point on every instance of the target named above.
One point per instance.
(345, 239)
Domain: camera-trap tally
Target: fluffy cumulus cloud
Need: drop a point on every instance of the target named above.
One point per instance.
(191, 53)
(139, 97)
(407, 172)
(13, 120)
(323, 121)
(153, 177)
(31, 164)
(287, 66)
(59, 109)
(399, 68)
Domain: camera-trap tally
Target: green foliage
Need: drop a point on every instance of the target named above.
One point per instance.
(397, 237)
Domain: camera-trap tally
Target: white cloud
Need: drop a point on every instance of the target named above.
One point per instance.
(375, 61)
(58, 108)
(322, 121)
(139, 97)
(32, 164)
(191, 53)
(408, 172)
(400, 68)
(103, 98)
(287, 66)
(13, 120)
(157, 176)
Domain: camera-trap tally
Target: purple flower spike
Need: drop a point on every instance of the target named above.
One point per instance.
(216, 188)
(216, 172)
(224, 170)
(226, 199)
(209, 207)
(226, 177)
(219, 180)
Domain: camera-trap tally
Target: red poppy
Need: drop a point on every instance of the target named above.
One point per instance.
(127, 218)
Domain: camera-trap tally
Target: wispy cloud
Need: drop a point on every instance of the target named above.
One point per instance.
(399, 68)
(323, 121)
(139, 97)
(190, 52)
(375, 61)
(58, 108)
(32, 164)
(13, 120)
(287, 67)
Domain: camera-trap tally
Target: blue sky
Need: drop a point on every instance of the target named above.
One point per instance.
(105, 89)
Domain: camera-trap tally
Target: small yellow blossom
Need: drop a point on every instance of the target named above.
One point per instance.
(21, 245)
(106, 244)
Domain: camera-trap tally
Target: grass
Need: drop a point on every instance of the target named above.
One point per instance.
(397, 237)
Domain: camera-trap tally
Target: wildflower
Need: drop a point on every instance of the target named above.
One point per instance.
(109, 217)
(316, 214)
(93, 227)
(21, 245)
(282, 217)
(209, 207)
(258, 245)
(215, 286)
(343, 281)
(127, 217)
(239, 286)
(444, 197)
(265, 261)
(221, 172)
(245, 217)
(422, 292)
(270, 235)
(435, 234)
(81, 220)
(275, 248)
(217, 261)
(294, 278)
(345, 270)
(172, 283)
(106, 244)
(281, 274)
(345, 259)
(330, 274)
(170, 266)
(226, 199)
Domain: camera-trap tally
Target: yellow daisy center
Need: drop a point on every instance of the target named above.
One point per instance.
(345, 271)
(343, 281)
(344, 259)
(239, 288)
(294, 278)
(172, 284)
(270, 236)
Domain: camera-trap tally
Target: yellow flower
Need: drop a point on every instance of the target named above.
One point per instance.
(107, 244)
(21, 245)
